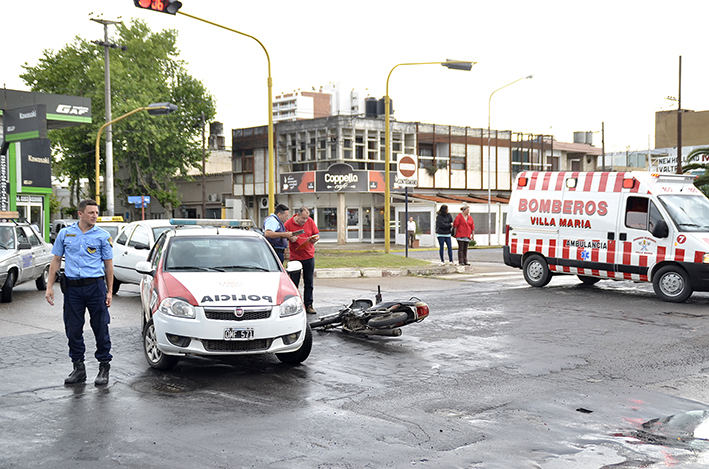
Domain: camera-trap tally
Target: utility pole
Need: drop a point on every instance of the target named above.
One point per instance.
(107, 92)
(679, 120)
(603, 144)
(204, 178)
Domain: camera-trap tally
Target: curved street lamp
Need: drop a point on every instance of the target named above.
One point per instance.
(450, 64)
(489, 194)
(154, 109)
(271, 160)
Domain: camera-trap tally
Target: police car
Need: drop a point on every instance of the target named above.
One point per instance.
(219, 291)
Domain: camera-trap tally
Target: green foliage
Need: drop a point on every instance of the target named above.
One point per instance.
(702, 181)
(54, 204)
(148, 151)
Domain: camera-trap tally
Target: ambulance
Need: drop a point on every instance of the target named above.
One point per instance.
(639, 226)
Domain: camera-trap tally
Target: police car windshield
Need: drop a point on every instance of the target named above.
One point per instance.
(220, 253)
(689, 213)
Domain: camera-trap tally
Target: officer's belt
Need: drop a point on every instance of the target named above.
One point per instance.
(80, 282)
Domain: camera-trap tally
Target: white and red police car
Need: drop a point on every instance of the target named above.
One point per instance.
(219, 291)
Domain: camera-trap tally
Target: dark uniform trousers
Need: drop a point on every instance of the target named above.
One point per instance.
(77, 299)
(308, 276)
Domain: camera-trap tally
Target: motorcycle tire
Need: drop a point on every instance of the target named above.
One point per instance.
(391, 319)
(327, 320)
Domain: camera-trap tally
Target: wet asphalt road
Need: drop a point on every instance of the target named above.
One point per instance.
(500, 375)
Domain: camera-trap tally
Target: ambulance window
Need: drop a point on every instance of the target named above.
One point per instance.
(636, 213)
(655, 216)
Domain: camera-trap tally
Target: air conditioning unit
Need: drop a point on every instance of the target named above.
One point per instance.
(263, 203)
(213, 197)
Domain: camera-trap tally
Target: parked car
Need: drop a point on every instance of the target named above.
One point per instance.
(218, 291)
(57, 226)
(112, 224)
(132, 246)
(24, 256)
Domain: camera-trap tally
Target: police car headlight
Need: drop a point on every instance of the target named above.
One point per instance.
(706, 259)
(292, 306)
(177, 307)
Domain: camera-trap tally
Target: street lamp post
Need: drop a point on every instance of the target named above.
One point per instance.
(271, 159)
(154, 109)
(451, 64)
(489, 190)
(107, 97)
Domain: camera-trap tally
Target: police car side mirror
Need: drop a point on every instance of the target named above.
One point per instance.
(145, 268)
(294, 266)
(660, 229)
(24, 245)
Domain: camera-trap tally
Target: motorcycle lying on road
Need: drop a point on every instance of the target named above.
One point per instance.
(365, 317)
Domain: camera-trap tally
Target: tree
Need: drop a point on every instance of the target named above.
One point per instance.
(148, 151)
(702, 181)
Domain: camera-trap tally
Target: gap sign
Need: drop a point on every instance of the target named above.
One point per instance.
(407, 171)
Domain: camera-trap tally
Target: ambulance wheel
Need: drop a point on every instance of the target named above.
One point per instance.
(671, 284)
(588, 280)
(536, 271)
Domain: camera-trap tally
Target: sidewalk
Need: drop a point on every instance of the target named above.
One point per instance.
(482, 259)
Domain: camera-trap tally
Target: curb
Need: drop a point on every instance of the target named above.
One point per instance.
(376, 273)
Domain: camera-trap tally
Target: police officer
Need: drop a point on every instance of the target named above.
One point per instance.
(88, 253)
(275, 233)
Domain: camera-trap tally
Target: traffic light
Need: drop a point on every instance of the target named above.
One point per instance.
(163, 6)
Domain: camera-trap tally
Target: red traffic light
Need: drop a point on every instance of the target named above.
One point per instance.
(163, 6)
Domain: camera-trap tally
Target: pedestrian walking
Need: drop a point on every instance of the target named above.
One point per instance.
(303, 250)
(444, 228)
(464, 228)
(275, 232)
(87, 284)
(411, 231)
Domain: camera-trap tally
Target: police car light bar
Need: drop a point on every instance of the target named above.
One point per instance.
(109, 218)
(211, 222)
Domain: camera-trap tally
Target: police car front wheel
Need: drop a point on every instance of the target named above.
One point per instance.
(153, 354)
(671, 283)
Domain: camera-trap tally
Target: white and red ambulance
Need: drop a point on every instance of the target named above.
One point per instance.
(645, 227)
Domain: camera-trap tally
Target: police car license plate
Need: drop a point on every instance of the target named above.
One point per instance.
(231, 333)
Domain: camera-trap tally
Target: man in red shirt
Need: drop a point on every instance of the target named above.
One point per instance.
(303, 250)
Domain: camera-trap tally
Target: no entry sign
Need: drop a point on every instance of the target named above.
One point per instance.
(407, 171)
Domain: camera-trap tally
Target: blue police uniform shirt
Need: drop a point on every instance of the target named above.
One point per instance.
(83, 253)
(273, 223)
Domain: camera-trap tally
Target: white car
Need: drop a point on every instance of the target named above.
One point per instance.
(24, 256)
(132, 246)
(113, 225)
(219, 291)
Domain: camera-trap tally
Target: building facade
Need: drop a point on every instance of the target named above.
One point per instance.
(335, 166)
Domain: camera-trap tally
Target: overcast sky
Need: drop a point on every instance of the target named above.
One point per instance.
(593, 62)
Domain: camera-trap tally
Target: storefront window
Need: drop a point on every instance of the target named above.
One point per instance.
(422, 219)
(327, 223)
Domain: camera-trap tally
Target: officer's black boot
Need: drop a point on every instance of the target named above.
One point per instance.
(102, 377)
(78, 375)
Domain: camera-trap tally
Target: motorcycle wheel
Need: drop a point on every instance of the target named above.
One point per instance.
(327, 320)
(391, 319)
